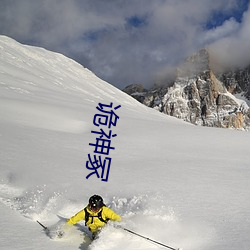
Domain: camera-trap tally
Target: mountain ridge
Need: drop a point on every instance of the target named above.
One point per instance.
(200, 95)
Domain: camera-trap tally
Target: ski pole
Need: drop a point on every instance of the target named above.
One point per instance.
(45, 228)
(146, 238)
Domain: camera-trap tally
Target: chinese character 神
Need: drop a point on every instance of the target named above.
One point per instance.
(96, 164)
(102, 146)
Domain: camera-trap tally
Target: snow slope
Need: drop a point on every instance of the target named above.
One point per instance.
(176, 183)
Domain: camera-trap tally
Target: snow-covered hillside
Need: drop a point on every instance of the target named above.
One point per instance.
(179, 184)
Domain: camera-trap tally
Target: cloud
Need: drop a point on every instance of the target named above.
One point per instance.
(125, 42)
(233, 49)
(228, 28)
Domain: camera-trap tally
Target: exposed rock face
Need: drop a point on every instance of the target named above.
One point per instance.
(237, 81)
(199, 97)
(137, 91)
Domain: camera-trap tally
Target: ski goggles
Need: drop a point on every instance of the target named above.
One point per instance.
(94, 208)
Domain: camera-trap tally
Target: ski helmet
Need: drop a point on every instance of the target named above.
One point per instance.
(95, 202)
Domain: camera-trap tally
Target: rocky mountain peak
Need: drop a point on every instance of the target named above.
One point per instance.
(200, 96)
(196, 64)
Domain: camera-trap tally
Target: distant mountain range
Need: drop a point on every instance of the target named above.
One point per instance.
(201, 94)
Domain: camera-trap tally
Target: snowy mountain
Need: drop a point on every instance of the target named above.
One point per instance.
(201, 95)
(237, 81)
(183, 185)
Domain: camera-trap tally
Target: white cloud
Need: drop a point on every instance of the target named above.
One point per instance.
(228, 28)
(233, 50)
(97, 32)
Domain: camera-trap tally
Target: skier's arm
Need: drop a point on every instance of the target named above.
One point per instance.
(77, 217)
(110, 214)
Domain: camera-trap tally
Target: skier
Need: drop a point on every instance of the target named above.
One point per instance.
(95, 214)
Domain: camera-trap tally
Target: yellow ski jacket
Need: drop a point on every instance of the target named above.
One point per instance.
(94, 223)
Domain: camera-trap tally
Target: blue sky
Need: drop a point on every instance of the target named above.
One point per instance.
(218, 17)
(131, 41)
